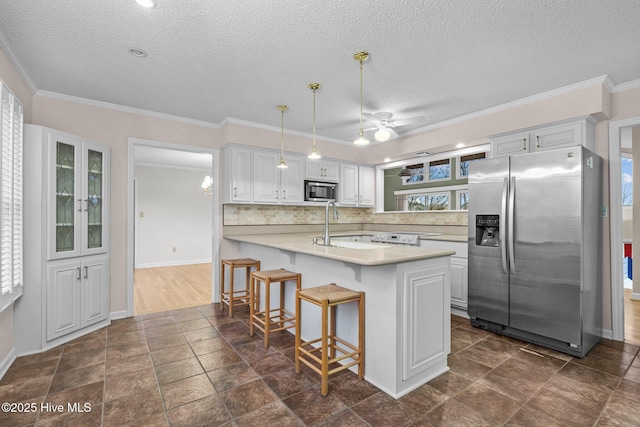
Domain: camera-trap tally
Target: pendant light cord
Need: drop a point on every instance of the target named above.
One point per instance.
(314, 120)
(361, 128)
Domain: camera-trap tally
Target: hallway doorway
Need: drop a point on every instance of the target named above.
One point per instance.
(172, 227)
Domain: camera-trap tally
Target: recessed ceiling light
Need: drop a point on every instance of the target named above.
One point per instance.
(147, 4)
(387, 159)
(460, 145)
(138, 52)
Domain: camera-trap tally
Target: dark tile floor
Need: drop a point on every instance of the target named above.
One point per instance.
(196, 366)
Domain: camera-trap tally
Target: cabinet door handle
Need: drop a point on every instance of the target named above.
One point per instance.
(277, 194)
(524, 144)
(86, 205)
(538, 139)
(235, 191)
(284, 194)
(80, 205)
(86, 272)
(78, 270)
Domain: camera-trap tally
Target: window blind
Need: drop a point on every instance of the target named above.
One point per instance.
(11, 249)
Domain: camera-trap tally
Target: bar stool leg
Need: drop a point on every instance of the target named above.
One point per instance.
(231, 280)
(222, 267)
(325, 355)
(267, 310)
(332, 335)
(361, 336)
(298, 324)
(281, 312)
(252, 308)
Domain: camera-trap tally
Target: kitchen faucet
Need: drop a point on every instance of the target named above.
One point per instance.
(326, 238)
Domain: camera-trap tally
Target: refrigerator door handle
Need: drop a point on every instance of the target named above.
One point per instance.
(501, 233)
(512, 202)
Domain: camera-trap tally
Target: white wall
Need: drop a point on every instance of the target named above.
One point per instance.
(173, 212)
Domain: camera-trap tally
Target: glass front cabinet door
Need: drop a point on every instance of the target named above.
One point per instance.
(78, 200)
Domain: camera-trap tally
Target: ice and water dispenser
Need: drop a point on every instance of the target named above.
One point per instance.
(487, 230)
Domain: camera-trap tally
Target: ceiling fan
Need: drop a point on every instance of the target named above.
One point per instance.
(384, 124)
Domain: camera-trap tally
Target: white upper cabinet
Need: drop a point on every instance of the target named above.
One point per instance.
(78, 182)
(274, 185)
(579, 132)
(251, 175)
(322, 170)
(366, 186)
(292, 180)
(348, 186)
(236, 181)
(357, 185)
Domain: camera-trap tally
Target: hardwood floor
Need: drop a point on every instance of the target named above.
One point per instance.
(170, 288)
(631, 318)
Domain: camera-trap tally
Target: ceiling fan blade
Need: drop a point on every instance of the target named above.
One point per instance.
(370, 117)
(410, 121)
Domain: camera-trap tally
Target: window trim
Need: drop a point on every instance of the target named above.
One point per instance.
(448, 189)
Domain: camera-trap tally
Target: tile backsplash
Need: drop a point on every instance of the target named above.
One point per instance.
(240, 214)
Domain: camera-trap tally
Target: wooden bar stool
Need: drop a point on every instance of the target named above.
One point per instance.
(328, 297)
(236, 298)
(270, 319)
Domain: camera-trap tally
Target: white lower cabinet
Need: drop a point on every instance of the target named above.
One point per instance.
(425, 308)
(76, 295)
(459, 268)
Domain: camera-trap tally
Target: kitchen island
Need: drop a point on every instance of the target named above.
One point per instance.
(407, 301)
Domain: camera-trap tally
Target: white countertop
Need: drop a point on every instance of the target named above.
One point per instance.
(303, 243)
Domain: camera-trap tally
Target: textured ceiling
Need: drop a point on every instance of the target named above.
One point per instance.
(210, 59)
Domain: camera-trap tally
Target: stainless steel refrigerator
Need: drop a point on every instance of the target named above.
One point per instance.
(535, 247)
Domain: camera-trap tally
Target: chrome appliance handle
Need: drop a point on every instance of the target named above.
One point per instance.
(503, 216)
(512, 195)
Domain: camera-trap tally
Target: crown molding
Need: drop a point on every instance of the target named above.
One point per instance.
(124, 109)
(626, 86)
(602, 80)
(17, 65)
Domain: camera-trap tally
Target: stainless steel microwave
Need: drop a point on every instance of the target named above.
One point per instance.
(315, 191)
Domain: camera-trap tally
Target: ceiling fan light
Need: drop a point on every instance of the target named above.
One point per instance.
(382, 134)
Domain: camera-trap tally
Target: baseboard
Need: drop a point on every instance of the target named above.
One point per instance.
(173, 263)
(607, 334)
(7, 362)
(122, 314)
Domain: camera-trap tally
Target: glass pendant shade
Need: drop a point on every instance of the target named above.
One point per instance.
(361, 140)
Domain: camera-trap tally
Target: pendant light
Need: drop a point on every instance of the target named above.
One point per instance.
(282, 164)
(361, 57)
(314, 151)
